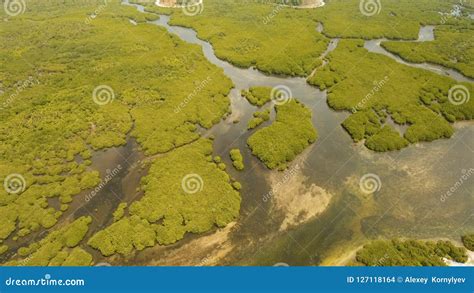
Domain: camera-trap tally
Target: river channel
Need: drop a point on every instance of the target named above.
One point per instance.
(318, 215)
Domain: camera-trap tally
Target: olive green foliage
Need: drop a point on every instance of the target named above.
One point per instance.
(410, 96)
(258, 118)
(53, 58)
(185, 191)
(468, 241)
(237, 159)
(409, 253)
(77, 257)
(453, 47)
(386, 139)
(273, 39)
(3, 249)
(392, 19)
(258, 95)
(288, 136)
(237, 185)
(120, 211)
(362, 124)
(58, 247)
(124, 236)
(282, 40)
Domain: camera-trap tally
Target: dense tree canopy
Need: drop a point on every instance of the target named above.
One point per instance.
(290, 133)
(409, 253)
(373, 93)
(185, 191)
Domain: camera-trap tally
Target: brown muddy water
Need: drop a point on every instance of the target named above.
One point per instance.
(317, 212)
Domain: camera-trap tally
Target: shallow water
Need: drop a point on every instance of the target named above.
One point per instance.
(426, 34)
(407, 204)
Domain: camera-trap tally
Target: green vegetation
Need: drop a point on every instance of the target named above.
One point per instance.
(468, 241)
(3, 249)
(58, 248)
(386, 139)
(185, 191)
(410, 96)
(343, 18)
(237, 159)
(120, 211)
(48, 100)
(159, 89)
(258, 118)
(123, 236)
(237, 185)
(258, 95)
(288, 136)
(239, 31)
(409, 253)
(453, 47)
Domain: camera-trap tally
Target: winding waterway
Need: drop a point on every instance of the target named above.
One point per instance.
(408, 203)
